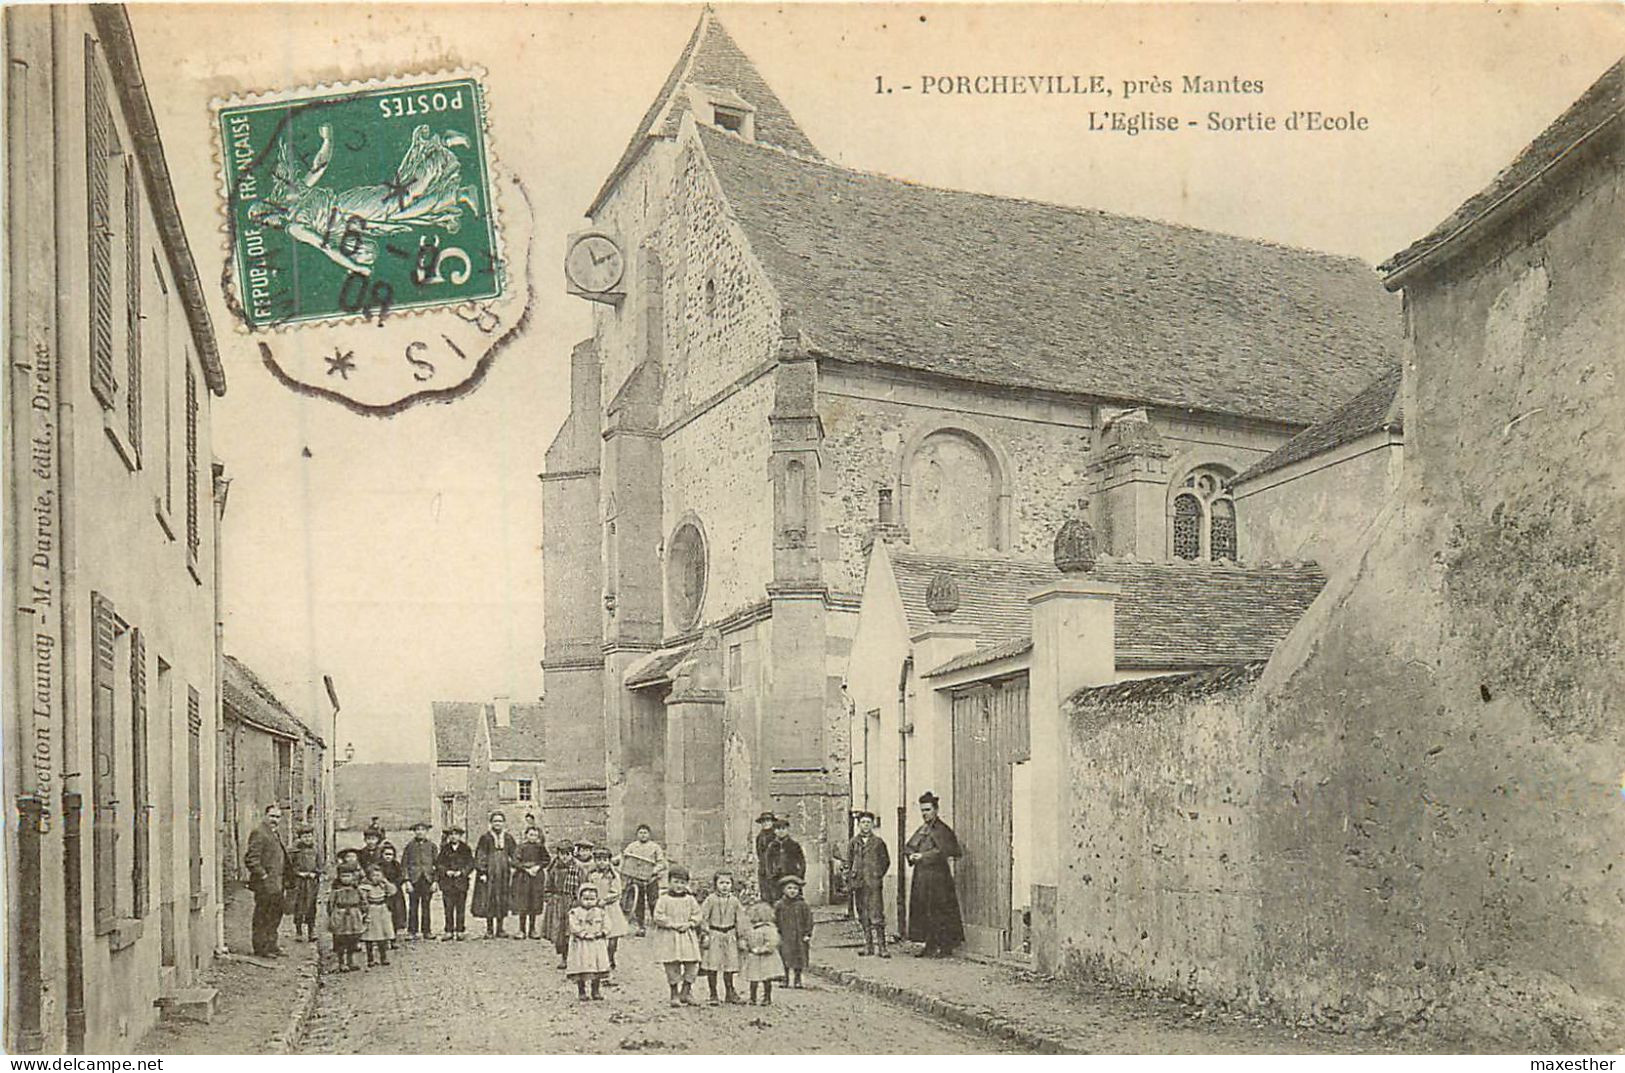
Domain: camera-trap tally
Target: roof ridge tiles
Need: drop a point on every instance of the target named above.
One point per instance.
(1083, 210)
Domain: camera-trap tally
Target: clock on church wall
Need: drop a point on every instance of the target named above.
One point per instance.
(595, 267)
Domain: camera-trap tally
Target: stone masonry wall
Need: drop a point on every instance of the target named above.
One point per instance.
(716, 469)
(869, 421)
(1423, 824)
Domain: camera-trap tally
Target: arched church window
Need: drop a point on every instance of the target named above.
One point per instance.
(686, 570)
(953, 500)
(1187, 527)
(1203, 522)
(1222, 530)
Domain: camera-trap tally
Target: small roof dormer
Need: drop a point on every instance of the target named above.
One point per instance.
(714, 81)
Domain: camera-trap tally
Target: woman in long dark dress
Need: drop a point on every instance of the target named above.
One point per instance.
(933, 903)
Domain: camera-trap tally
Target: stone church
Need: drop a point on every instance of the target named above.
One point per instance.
(794, 359)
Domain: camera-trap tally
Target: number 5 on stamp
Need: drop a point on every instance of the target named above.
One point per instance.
(359, 203)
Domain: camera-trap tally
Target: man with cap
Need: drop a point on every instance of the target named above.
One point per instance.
(453, 865)
(867, 862)
(764, 839)
(493, 876)
(418, 868)
(933, 904)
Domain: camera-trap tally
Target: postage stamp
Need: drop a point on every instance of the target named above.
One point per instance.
(360, 201)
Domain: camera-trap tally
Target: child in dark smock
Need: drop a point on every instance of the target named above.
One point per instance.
(530, 884)
(346, 917)
(306, 878)
(565, 878)
(795, 930)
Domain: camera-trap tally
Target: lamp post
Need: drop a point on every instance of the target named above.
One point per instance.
(331, 764)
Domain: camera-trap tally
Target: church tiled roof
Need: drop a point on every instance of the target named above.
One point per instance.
(1599, 109)
(1375, 409)
(1169, 614)
(1024, 294)
(709, 59)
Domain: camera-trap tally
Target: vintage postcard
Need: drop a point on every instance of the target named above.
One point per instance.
(856, 529)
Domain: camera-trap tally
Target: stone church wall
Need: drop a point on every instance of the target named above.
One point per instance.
(1421, 795)
(870, 422)
(716, 471)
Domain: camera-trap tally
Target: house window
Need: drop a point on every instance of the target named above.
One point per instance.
(101, 147)
(448, 811)
(284, 774)
(730, 118)
(108, 638)
(525, 790)
(132, 307)
(140, 787)
(194, 796)
(1203, 521)
(736, 666)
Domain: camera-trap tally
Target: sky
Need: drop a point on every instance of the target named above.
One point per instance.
(402, 555)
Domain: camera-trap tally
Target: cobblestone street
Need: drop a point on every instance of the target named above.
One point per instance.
(508, 997)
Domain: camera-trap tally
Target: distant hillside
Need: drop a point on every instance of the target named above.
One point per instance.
(398, 794)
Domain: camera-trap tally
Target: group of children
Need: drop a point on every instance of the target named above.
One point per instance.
(720, 937)
(573, 898)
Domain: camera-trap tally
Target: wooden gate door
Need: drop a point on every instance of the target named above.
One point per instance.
(990, 733)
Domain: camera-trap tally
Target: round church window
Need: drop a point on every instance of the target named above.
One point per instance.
(685, 575)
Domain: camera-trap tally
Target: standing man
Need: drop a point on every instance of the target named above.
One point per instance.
(933, 904)
(785, 856)
(867, 862)
(453, 867)
(493, 876)
(418, 868)
(766, 883)
(266, 861)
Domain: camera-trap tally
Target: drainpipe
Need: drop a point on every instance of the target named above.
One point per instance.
(69, 222)
(904, 729)
(221, 486)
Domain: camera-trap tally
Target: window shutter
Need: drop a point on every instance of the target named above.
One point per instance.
(101, 145)
(132, 302)
(104, 773)
(194, 795)
(193, 538)
(138, 781)
(508, 789)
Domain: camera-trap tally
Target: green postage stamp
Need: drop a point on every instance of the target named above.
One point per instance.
(356, 203)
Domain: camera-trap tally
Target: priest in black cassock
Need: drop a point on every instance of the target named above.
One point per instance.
(933, 904)
(493, 876)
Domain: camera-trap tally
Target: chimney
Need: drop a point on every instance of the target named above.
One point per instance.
(504, 710)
